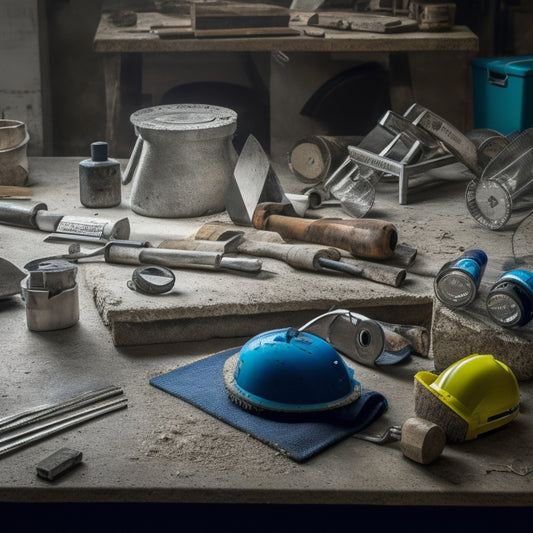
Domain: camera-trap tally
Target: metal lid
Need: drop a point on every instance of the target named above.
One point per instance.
(198, 119)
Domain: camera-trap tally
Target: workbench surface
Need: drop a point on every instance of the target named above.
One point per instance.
(162, 449)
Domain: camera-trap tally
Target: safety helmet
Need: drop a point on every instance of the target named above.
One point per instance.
(288, 370)
(480, 389)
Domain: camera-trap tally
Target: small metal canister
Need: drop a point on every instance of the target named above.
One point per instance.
(183, 160)
(100, 178)
(50, 292)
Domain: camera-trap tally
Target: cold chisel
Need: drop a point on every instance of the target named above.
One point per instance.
(37, 216)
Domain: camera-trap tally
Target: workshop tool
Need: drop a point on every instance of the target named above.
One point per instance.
(50, 410)
(182, 160)
(368, 341)
(100, 178)
(230, 246)
(398, 336)
(50, 293)
(310, 257)
(394, 147)
(14, 140)
(457, 282)
(510, 300)
(254, 180)
(297, 256)
(21, 439)
(152, 280)
(10, 278)
(11, 190)
(369, 238)
(421, 441)
(37, 216)
(504, 193)
(473, 396)
(352, 334)
(355, 193)
(58, 463)
(139, 253)
(454, 140)
(127, 252)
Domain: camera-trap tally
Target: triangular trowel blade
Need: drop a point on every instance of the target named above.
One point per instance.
(254, 181)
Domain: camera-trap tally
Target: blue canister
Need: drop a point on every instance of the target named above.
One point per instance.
(510, 300)
(457, 282)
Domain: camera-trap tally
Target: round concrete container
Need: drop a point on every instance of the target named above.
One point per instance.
(183, 160)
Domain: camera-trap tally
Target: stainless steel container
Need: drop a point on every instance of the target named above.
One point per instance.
(14, 140)
(183, 160)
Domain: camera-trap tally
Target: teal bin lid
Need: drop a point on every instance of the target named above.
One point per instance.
(521, 66)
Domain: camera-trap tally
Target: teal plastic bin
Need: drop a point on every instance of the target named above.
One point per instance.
(503, 93)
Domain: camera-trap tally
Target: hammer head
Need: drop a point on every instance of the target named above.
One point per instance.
(265, 209)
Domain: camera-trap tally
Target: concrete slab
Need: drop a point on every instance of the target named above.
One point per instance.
(166, 450)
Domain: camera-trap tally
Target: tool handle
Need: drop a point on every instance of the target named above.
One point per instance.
(191, 244)
(296, 255)
(16, 214)
(13, 190)
(378, 272)
(369, 238)
(161, 256)
(253, 266)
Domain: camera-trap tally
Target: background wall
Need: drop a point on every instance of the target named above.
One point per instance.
(68, 80)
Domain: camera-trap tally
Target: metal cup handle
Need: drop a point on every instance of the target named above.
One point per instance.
(133, 161)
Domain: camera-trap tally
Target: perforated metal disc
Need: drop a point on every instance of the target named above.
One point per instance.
(488, 203)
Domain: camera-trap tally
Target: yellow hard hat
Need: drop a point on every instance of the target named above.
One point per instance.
(480, 389)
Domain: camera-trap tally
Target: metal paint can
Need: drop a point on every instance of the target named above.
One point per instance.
(510, 300)
(457, 282)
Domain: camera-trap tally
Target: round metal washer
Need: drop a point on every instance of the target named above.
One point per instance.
(152, 279)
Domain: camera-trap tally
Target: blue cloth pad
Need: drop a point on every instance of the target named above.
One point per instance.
(300, 436)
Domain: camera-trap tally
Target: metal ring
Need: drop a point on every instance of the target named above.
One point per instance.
(153, 279)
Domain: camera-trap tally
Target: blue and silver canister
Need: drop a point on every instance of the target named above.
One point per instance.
(510, 300)
(457, 282)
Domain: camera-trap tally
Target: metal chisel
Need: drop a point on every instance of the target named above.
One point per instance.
(37, 216)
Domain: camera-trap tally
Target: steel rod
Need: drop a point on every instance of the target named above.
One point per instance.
(50, 428)
(42, 412)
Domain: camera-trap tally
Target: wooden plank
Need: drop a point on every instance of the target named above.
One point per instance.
(350, 21)
(245, 32)
(222, 15)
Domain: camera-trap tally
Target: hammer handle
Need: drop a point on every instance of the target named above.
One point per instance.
(369, 238)
(295, 255)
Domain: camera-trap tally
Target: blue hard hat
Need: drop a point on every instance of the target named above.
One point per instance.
(290, 371)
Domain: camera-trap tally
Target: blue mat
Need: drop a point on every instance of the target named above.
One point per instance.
(300, 436)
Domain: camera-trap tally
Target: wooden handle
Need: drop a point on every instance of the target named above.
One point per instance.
(13, 190)
(422, 441)
(369, 238)
(295, 255)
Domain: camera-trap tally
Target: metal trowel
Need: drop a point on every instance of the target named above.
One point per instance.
(10, 278)
(254, 181)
